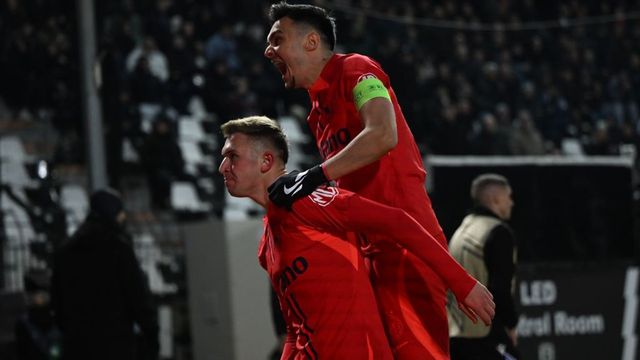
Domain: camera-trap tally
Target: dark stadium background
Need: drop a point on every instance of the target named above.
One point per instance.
(546, 93)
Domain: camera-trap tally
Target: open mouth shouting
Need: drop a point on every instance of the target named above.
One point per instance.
(285, 72)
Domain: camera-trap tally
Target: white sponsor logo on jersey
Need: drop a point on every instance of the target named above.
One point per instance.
(323, 196)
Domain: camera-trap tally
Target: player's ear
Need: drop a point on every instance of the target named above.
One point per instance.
(312, 41)
(268, 160)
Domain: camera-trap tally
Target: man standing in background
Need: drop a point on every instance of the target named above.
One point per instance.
(485, 246)
(99, 293)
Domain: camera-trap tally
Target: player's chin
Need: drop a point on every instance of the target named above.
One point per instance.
(234, 192)
(230, 186)
(289, 83)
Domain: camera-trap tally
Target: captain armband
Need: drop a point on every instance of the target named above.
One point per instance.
(368, 89)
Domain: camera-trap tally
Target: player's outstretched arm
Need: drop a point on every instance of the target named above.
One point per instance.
(338, 209)
(479, 304)
(364, 215)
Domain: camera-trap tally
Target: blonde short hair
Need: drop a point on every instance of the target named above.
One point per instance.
(260, 128)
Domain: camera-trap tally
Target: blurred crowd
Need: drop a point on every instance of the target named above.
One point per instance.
(469, 81)
(499, 91)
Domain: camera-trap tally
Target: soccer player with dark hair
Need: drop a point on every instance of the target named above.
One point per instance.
(311, 255)
(367, 148)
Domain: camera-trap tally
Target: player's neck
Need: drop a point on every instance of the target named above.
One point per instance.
(262, 198)
(318, 64)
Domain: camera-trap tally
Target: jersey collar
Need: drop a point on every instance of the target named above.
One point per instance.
(327, 75)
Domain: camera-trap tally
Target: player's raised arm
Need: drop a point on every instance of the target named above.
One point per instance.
(378, 137)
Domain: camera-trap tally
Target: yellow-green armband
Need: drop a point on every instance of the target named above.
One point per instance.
(368, 89)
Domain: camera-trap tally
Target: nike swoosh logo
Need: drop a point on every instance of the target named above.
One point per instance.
(293, 189)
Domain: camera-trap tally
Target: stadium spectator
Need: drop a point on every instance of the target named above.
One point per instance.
(156, 60)
(222, 45)
(488, 137)
(163, 162)
(145, 87)
(99, 291)
(524, 138)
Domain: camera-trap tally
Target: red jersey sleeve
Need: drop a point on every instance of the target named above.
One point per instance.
(358, 67)
(332, 209)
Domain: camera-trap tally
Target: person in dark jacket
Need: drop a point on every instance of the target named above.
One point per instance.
(99, 292)
(485, 246)
(163, 162)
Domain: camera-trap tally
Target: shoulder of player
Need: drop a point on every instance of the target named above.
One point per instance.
(358, 62)
(322, 197)
(355, 59)
(357, 68)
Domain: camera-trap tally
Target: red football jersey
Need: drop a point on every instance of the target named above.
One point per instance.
(413, 309)
(316, 232)
(323, 286)
(398, 178)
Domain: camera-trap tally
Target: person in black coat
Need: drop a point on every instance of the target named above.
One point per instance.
(99, 292)
(163, 162)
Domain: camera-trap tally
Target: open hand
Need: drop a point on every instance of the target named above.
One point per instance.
(479, 304)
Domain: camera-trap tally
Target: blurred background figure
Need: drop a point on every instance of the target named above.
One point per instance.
(99, 292)
(157, 61)
(37, 336)
(163, 162)
(485, 246)
(525, 138)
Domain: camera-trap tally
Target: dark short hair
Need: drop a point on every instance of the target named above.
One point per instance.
(482, 182)
(315, 16)
(260, 128)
